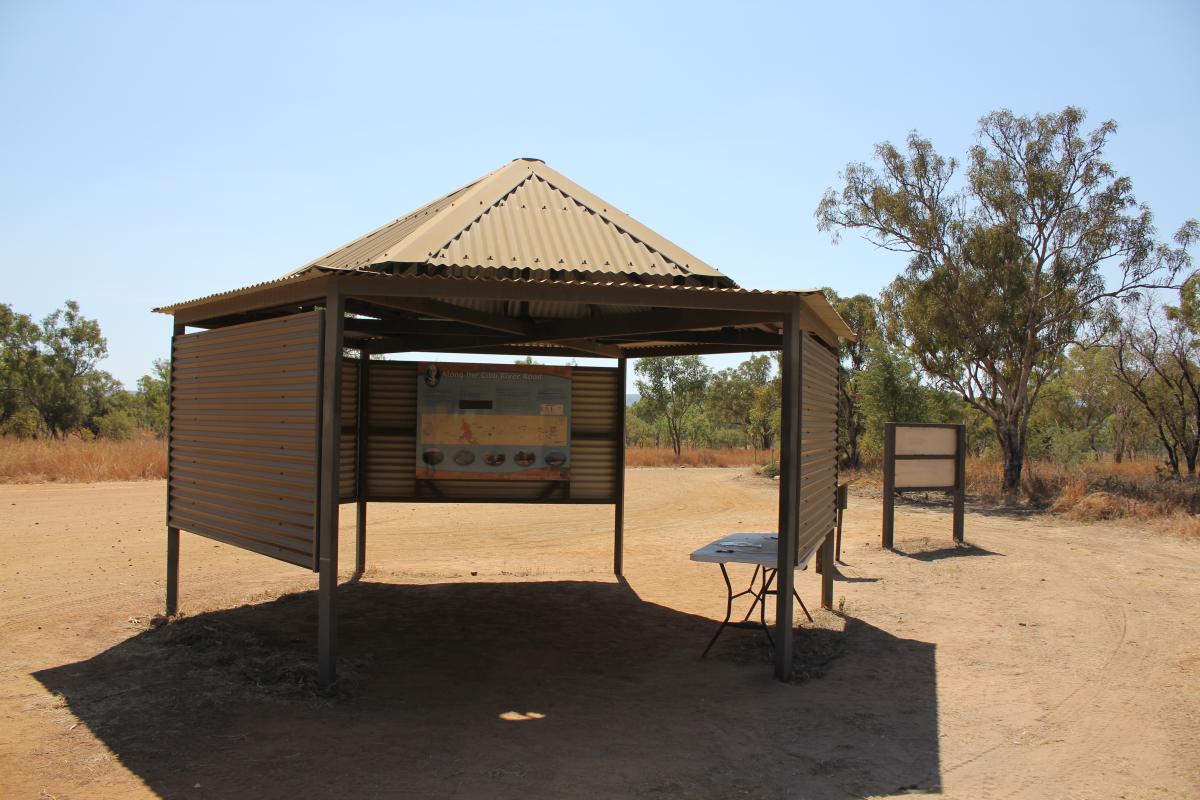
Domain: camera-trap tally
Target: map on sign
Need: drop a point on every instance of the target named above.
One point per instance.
(493, 422)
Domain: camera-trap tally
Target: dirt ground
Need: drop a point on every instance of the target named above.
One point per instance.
(488, 653)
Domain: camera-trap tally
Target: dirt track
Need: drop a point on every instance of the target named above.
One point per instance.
(488, 653)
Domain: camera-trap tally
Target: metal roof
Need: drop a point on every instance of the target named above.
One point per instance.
(814, 299)
(525, 216)
(523, 223)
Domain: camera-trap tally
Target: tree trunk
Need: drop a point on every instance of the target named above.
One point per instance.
(1013, 451)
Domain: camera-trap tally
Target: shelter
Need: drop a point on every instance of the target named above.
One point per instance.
(272, 425)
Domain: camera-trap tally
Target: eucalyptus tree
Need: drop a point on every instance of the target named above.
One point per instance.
(859, 314)
(18, 347)
(61, 379)
(1156, 354)
(671, 388)
(1008, 265)
(746, 398)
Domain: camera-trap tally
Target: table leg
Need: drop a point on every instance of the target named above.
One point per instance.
(803, 607)
(758, 596)
(728, 611)
(763, 606)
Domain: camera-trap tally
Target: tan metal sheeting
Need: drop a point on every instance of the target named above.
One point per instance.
(529, 217)
(818, 442)
(391, 446)
(245, 417)
(348, 454)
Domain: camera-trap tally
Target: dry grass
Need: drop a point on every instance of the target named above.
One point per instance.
(1091, 492)
(76, 461)
(1097, 491)
(694, 457)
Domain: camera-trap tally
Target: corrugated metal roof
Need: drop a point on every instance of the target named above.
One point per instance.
(299, 276)
(525, 223)
(364, 249)
(813, 298)
(524, 216)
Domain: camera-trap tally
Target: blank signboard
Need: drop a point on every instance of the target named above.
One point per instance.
(926, 441)
(924, 473)
(923, 457)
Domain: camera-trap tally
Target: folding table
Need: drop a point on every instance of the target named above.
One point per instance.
(759, 549)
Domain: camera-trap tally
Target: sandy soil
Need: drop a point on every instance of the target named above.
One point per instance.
(488, 653)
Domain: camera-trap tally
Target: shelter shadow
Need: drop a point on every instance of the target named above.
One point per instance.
(954, 551)
(549, 689)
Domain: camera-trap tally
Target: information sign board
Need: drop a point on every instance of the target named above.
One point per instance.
(493, 422)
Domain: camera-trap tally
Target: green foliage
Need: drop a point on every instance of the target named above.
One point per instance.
(18, 346)
(61, 379)
(152, 400)
(671, 387)
(891, 391)
(859, 313)
(24, 423)
(117, 425)
(641, 426)
(746, 399)
(51, 383)
(1155, 355)
(1005, 268)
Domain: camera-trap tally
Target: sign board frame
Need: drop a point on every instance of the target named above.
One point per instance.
(923, 456)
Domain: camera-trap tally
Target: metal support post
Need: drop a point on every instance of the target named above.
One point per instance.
(327, 540)
(889, 484)
(960, 481)
(360, 466)
(789, 492)
(827, 571)
(619, 500)
(172, 571)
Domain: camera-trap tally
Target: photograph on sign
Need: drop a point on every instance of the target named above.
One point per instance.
(493, 422)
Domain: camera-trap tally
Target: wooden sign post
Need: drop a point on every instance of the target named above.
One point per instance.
(920, 457)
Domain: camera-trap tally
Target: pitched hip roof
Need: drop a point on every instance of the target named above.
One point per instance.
(525, 225)
(525, 220)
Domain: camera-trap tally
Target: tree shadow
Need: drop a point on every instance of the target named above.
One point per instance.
(963, 550)
(838, 575)
(938, 501)
(538, 689)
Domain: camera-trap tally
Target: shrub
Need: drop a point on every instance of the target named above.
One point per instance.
(117, 426)
(26, 423)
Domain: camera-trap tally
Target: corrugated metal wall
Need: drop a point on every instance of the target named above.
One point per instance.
(391, 430)
(392, 445)
(818, 442)
(243, 445)
(596, 400)
(348, 456)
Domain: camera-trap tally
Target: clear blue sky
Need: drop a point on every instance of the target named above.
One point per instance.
(159, 151)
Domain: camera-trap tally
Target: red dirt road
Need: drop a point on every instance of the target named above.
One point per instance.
(489, 653)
